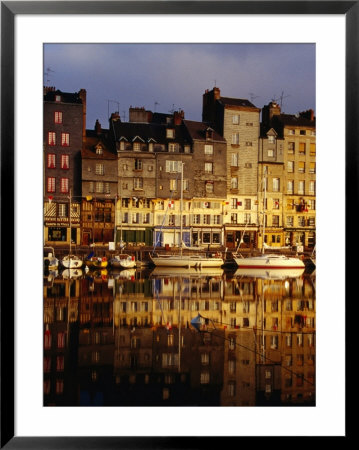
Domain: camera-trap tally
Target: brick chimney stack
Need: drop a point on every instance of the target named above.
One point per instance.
(178, 116)
(82, 95)
(98, 127)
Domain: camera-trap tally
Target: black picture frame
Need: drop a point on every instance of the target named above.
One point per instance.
(9, 9)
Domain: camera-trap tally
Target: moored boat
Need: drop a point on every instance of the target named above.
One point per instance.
(123, 261)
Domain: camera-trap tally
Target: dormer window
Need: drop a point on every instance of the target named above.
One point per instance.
(170, 133)
(99, 150)
(136, 146)
(271, 139)
(209, 133)
(57, 98)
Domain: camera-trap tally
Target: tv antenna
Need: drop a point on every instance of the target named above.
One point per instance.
(47, 73)
(173, 109)
(156, 103)
(108, 106)
(124, 115)
(253, 96)
(281, 97)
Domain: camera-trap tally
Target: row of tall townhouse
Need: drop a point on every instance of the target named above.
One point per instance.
(124, 183)
(260, 347)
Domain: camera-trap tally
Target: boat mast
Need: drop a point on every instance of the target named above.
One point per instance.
(264, 209)
(70, 222)
(181, 208)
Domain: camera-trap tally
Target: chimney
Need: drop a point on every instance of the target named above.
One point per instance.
(98, 127)
(138, 115)
(178, 116)
(269, 111)
(309, 114)
(82, 95)
(216, 93)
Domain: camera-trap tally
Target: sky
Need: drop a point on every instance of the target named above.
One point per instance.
(163, 77)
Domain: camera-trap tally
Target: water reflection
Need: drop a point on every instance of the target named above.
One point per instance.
(127, 338)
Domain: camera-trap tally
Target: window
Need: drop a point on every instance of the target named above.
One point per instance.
(302, 132)
(65, 161)
(276, 185)
(235, 119)
(61, 340)
(138, 164)
(136, 146)
(173, 147)
(65, 139)
(205, 359)
(276, 203)
(51, 161)
(208, 149)
(60, 363)
(291, 147)
(196, 219)
(99, 187)
(247, 203)
(186, 185)
(99, 169)
(170, 133)
(312, 150)
(64, 185)
(173, 166)
(290, 187)
(235, 139)
(51, 138)
(301, 166)
(271, 139)
(290, 166)
(291, 132)
(301, 187)
(312, 167)
(234, 203)
(150, 147)
(204, 378)
(289, 221)
(58, 117)
(249, 144)
(234, 183)
(275, 221)
(302, 147)
(270, 153)
(209, 185)
(234, 159)
(208, 167)
(57, 98)
(51, 184)
(137, 183)
(173, 185)
(312, 187)
(233, 218)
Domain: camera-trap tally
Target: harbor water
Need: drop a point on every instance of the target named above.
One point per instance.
(179, 337)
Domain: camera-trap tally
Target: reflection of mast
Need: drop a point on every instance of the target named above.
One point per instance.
(179, 324)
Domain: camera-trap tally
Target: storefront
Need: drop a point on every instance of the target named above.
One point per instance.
(234, 236)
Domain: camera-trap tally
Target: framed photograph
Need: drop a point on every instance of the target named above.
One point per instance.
(311, 49)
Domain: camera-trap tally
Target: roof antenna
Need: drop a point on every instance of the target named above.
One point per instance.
(252, 96)
(156, 103)
(108, 106)
(47, 73)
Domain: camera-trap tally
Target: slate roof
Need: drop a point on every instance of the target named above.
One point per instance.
(89, 147)
(66, 97)
(197, 130)
(148, 132)
(236, 102)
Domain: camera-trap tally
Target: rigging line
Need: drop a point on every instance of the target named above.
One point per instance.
(164, 218)
(260, 354)
(256, 328)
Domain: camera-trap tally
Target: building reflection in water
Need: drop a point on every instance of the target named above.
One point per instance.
(126, 339)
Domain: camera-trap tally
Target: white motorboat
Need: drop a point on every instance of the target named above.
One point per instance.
(123, 261)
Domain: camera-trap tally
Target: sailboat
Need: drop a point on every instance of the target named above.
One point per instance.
(71, 261)
(196, 260)
(267, 260)
(121, 260)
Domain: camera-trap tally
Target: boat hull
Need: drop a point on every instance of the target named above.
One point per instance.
(72, 262)
(186, 261)
(123, 262)
(269, 262)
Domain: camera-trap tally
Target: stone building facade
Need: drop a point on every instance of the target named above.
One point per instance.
(238, 121)
(64, 131)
